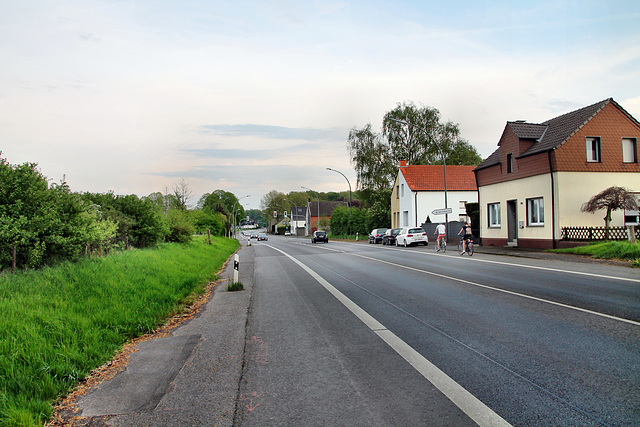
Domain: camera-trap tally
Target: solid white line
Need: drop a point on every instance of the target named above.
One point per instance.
(467, 402)
(584, 310)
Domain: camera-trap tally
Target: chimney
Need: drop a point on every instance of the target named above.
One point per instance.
(403, 163)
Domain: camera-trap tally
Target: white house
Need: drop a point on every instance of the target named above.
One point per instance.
(420, 189)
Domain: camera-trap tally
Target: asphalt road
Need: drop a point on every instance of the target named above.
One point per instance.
(538, 342)
(359, 334)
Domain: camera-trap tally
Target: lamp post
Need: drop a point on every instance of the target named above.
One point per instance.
(444, 167)
(318, 206)
(350, 202)
(234, 212)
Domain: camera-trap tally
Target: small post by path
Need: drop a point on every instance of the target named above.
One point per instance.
(236, 266)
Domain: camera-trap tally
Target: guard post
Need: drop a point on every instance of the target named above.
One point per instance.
(236, 265)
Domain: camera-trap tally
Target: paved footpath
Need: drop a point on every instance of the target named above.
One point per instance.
(189, 377)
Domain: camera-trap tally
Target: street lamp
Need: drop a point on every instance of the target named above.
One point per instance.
(318, 205)
(350, 202)
(234, 212)
(444, 167)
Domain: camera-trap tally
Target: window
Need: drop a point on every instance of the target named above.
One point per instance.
(593, 150)
(463, 205)
(629, 150)
(535, 211)
(494, 214)
(509, 163)
(402, 190)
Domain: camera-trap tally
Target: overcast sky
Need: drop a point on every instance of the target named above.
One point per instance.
(253, 96)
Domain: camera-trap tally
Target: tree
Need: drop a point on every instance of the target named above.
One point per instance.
(376, 157)
(182, 194)
(611, 199)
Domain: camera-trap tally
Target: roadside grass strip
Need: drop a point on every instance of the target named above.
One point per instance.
(58, 324)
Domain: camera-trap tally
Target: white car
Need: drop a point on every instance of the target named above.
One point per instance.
(410, 236)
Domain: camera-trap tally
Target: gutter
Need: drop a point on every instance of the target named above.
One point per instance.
(553, 202)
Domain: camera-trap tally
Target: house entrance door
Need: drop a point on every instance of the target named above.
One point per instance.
(512, 222)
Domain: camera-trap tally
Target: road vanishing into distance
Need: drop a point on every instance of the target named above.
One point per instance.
(359, 334)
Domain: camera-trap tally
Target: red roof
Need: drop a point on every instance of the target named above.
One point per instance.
(431, 177)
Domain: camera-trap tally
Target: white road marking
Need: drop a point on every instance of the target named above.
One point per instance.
(467, 402)
(571, 307)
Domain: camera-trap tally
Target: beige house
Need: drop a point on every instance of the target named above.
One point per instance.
(534, 184)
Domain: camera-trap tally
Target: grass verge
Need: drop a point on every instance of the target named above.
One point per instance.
(608, 250)
(60, 323)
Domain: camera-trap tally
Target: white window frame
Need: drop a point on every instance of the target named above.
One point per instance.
(594, 149)
(493, 213)
(629, 150)
(535, 211)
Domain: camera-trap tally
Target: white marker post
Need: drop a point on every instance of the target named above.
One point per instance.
(236, 265)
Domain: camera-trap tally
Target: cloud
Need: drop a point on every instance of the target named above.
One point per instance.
(273, 132)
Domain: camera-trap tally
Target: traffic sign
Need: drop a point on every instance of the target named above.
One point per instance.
(441, 211)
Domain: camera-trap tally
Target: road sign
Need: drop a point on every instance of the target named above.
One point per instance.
(441, 211)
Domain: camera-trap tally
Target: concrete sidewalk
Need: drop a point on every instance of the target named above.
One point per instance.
(189, 375)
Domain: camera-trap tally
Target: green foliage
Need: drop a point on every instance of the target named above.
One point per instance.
(607, 250)
(181, 229)
(235, 286)
(362, 221)
(44, 223)
(58, 324)
(205, 219)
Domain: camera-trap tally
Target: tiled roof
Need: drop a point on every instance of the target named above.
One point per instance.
(553, 132)
(431, 177)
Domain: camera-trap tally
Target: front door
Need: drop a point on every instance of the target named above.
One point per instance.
(512, 221)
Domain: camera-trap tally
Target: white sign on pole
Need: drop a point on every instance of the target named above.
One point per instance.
(441, 211)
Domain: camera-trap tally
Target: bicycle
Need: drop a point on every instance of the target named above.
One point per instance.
(441, 245)
(469, 250)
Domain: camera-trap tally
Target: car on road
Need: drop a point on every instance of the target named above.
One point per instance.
(262, 236)
(287, 233)
(254, 235)
(410, 236)
(389, 237)
(376, 235)
(320, 236)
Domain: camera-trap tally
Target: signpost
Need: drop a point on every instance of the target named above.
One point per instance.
(441, 211)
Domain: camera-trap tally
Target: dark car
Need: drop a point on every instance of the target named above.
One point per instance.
(376, 235)
(320, 236)
(262, 236)
(389, 237)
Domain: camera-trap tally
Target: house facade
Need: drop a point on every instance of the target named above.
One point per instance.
(541, 174)
(320, 210)
(419, 189)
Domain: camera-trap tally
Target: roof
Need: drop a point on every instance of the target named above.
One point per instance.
(299, 213)
(431, 177)
(554, 132)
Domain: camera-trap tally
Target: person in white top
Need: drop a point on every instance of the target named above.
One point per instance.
(441, 231)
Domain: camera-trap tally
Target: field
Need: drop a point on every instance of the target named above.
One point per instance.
(60, 323)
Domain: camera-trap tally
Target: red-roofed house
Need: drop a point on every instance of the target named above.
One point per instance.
(419, 189)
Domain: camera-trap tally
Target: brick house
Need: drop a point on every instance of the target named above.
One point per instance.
(536, 181)
(324, 209)
(419, 189)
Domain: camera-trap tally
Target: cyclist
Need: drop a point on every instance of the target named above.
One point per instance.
(441, 231)
(466, 236)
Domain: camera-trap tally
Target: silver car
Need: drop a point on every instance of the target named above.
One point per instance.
(410, 236)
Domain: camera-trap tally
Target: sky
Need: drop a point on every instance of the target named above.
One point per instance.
(252, 96)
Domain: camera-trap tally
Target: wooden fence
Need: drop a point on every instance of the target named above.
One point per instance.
(588, 234)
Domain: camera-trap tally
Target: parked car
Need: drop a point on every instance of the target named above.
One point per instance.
(410, 236)
(376, 235)
(389, 237)
(319, 236)
(287, 233)
(262, 236)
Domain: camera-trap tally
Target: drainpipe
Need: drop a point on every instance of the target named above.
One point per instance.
(416, 207)
(553, 201)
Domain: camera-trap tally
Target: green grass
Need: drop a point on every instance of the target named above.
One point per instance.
(608, 250)
(60, 323)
